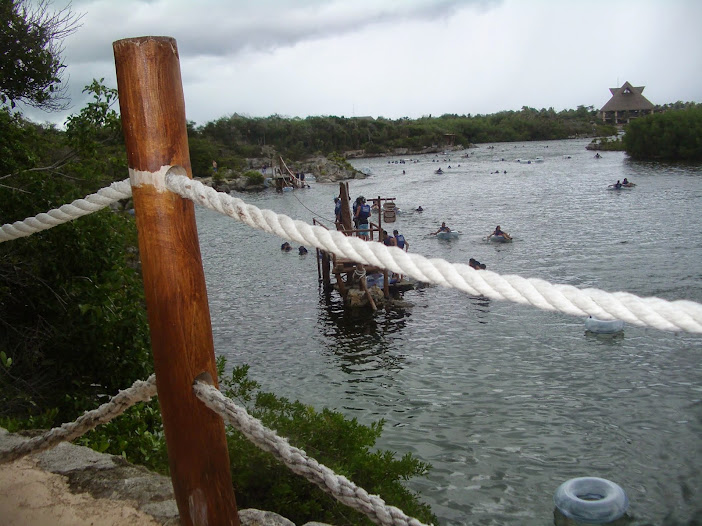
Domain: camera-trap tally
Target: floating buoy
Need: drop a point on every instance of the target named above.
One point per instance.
(591, 500)
(603, 326)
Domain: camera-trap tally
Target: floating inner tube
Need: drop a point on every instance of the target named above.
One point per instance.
(591, 500)
(603, 326)
(500, 239)
(447, 235)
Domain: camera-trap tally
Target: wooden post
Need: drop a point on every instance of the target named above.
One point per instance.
(326, 278)
(345, 207)
(153, 118)
(380, 219)
(319, 267)
(364, 287)
(341, 284)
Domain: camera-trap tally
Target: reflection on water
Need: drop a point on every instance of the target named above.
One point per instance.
(505, 401)
(482, 308)
(360, 338)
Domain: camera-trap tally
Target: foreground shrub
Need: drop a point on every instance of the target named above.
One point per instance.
(343, 445)
(260, 481)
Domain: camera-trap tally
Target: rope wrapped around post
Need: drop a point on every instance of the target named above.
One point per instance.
(140, 391)
(297, 460)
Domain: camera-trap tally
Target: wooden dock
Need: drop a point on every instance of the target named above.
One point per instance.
(349, 274)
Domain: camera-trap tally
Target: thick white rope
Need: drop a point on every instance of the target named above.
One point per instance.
(80, 207)
(654, 312)
(297, 460)
(140, 391)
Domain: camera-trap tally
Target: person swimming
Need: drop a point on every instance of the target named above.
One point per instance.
(442, 228)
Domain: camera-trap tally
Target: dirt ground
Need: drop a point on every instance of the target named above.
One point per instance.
(31, 496)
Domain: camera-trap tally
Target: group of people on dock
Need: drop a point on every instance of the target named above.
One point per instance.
(361, 212)
(395, 240)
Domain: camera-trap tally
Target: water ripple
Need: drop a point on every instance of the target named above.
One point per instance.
(505, 401)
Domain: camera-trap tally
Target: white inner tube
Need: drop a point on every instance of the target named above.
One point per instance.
(603, 326)
(591, 500)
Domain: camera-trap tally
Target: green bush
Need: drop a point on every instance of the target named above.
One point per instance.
(673, 136)
(137, 436)
(608, 144)
(343, 445)
(341, 162)
(254, 176)
(72, 311)
(262, 482)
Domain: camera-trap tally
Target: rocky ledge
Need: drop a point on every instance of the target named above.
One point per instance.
(321, 169)
(140, 492)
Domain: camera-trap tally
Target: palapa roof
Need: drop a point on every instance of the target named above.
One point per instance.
(627, 98)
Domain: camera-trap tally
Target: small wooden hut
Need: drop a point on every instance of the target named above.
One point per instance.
(627, 103)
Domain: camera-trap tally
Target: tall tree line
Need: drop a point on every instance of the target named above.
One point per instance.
(237, 136)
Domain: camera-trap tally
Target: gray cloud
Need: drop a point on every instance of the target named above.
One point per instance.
(397, 57)
(218, 28)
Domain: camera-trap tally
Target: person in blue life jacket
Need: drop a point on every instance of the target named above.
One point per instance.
(302, 251)
(618, 184)
(363, 213)
(400, 241)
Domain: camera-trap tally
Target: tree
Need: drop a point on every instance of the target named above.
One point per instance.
(72, 316)
(672, 136)
(31, 63)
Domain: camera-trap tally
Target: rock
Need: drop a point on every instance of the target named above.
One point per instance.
(104, 476)
(252, 517)
(238, 184)
(327, 170)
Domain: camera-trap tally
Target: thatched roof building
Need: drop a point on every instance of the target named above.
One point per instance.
(626, 103)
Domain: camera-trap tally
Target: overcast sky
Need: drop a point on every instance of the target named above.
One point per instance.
(398, 58)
